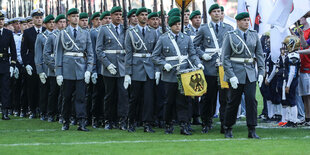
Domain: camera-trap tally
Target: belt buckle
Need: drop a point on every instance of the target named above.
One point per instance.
(75, 54)
(118, 52)
(143, 55)
(246, 60)
(1, 55)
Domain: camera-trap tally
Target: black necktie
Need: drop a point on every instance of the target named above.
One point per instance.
(38, 31)
(116, 29)
(74, 33)
(244, 35)
(143, 33)
(196, 30)
(176, 38)
(217, 28)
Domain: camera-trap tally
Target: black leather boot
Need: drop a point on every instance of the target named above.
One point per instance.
(169, 128)
(131, 127)
(205, 128)
(148, 128)
(65, 125)
(82, 125)
(228, 132)
(184, 129)
(122, 123)
(196, 121)
(5, 115)
(252, 133)
(108, 125)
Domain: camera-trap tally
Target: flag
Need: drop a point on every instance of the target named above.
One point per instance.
(277, 35)
(257, 21)
(264, 11)
(249, 6)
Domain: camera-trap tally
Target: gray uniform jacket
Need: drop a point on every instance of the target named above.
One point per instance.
(106, 41)
(93, 36)
(140, 67)
(232, 47)
(164, 48)
(74, 67)
(204, 40)
(49, 52)
(38, 50)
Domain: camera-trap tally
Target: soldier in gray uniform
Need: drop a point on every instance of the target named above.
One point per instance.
(132, 18)
(83, 20)
(41, 67)
(153, 20)
(54, 97)
(140, 71)
(208, 43)
(195, 18)
(242, 50)
(105, 18)
(174, 48)
(74, 63)
(111, 53)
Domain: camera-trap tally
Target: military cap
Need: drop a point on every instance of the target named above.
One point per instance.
(222, 8)
(6, 21)
(153, 14)
(187, 10)
(73, 11)
(212, 7)
(174, 10)
(194, 13)
(242, 15)
(2, 14)
(37, 12)
(173, 20)
(105, 13)
(22, 20)
(10, 21)
(131, 12)
(140, 10)
(29, 18)
(14, 20)
(96, 14)
(116, 9)
(83, 15)
(149, 11)
(175, 14)
(61, 16)
(48, 18)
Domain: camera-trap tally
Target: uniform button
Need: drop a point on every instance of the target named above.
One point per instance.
(244, 64)
(143, 61)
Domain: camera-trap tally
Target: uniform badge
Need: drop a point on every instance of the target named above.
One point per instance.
(39, 11)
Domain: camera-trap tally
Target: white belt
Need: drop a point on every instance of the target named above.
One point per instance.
(182, 57)
(242, 60)
(52, 55)
(75, 54)
(114, 51)
(212, 50)
(142, 55)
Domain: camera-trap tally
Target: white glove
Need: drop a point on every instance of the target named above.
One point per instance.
(157, 77)
(59, 80)
(16, 73)
(127, 81)
(168, 67)
(94, 77)
(260, 80)
(11, 71)
(112, 69)
(201, 66)
(29, 69)
(43, 77)
(206, 57)
(234, 82)
(87, 77)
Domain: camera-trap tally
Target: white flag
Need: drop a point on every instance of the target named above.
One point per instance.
(277, 35)
(249, 6)
(264, 11)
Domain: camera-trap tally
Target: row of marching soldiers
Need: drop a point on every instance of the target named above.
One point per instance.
(105, 76)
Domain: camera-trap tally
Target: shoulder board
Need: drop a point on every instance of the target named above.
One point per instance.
(252, 30)
(233, 31)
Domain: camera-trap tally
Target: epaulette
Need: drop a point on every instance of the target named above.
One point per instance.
(252, 30)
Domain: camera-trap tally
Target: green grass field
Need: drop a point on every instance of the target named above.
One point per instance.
(24, 136)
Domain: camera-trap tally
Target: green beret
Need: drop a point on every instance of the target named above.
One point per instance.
(187, 10)
(73, 11)
(174, 10)
(116, 9)
(212, 7)
(96, 14)
(143, 9)
(175, 14)
(242, 15)
(173, 20)
(159, 13)
(105, 13)
(83, 15)
(194, 13)
(153, 14)
(61, 16)
(149, 11)
(222, 8)
(131, 12)
(48, 18)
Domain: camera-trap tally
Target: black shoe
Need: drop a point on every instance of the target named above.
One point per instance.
(73, 121)
(196, 121)
(205, 129)
(222, 130)
(122, 124)
(32, 116)
(161, 124)
(95, 123)
(148, 128)
(190, 129)
(169, 129)
(108, 126)
(50, 119)
(252, 134)
(5, 115)
(65, 126)
(184, 129)
(22, 114)
(131, 128)
(82, 125)
(43, 117)
(61, 120)
(228, 133)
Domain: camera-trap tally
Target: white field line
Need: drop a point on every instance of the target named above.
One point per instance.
(146, 141)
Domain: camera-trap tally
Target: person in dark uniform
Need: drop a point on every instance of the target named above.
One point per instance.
(7, 68)
(27, 52)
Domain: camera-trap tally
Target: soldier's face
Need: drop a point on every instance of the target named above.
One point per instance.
(50, 25)
(1, 23)
(83, 23)
(16, 26)
(222, 15)
(243, 24)
(154, 22)
(142, 17)
(215, 15)
(176, 28)
(30, 24)
(96, 21)
(23, 26)
(133, 19)
(37, 20)
(116, 18)
(196, 21)
(186, 17)
(106, 20)
(61, 24)
(73, 19)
